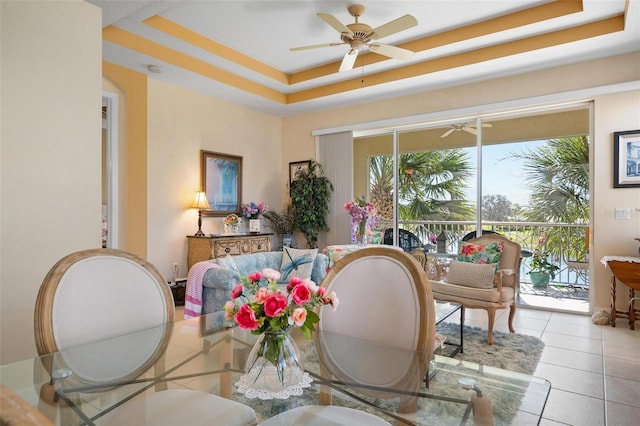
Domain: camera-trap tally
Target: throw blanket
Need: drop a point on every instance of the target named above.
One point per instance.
(193, 293)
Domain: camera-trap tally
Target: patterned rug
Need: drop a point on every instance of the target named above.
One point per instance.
(513, 352)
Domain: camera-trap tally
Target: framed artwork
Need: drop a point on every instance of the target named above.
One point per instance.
(221, 180)
(626, 159)
(297, 167)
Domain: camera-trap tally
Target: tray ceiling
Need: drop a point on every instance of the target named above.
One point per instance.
(239, 50)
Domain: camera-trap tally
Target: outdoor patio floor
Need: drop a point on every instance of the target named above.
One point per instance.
(561, 298)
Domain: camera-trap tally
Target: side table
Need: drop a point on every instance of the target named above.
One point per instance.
(178, 289)
(625, 269)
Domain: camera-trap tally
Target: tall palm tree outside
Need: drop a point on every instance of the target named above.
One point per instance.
(431, 186)
(558, 177)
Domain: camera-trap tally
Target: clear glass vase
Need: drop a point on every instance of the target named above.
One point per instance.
(274, 368)
(361, 233)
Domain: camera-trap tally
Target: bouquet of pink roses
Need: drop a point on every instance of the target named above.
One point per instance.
(271, 309)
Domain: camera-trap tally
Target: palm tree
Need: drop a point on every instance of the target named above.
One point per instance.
(431, 185)
(558, 174)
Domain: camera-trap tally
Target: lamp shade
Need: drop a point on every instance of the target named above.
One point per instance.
(200, 201)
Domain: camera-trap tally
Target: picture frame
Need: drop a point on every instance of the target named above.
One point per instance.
(297, 167)
(626, 159)
(221, 180)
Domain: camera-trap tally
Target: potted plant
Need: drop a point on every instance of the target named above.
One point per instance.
(283, 224)
(310, 193)
(542, 269)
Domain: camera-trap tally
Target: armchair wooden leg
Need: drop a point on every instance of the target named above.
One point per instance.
(512, 314)
(491, 312)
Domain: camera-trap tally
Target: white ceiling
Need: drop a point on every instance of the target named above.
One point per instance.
(265, 30)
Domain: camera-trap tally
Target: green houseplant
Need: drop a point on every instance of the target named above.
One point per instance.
(310, 193)
(542, 269)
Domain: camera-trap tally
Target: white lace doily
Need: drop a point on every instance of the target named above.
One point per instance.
(633, 259)
(245, 387)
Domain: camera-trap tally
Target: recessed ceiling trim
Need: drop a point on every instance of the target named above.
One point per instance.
(211, 46)
(501, 23)
(179, 59)
(555, 38)
(171, 56)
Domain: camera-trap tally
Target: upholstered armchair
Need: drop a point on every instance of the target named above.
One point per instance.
(485, 276)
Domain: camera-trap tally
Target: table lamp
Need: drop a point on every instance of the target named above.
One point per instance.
(200, 202)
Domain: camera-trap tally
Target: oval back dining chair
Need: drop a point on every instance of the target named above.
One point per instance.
(98, 294)
(385, 297)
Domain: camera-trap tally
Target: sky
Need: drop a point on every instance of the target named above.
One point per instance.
(506, 177)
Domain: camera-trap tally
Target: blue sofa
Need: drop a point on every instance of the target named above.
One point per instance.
(218, 282)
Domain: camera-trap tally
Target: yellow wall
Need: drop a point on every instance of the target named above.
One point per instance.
(610, 236)
(133, 156)
(51, 149)
(181, 123)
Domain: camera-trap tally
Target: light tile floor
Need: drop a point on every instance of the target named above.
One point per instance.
(594, 370)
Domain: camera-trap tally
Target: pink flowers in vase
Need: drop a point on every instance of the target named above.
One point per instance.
(253, 210)
(261, 308)
(363, 217)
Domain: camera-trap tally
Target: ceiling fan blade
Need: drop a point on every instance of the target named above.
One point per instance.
(295, 49)
(487, 125)
(448, 132)
(391, 51)
(470, 130)
(348, 60)
(333, 21)
(395, 26)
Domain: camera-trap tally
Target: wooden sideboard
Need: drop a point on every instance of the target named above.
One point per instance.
(209, 247)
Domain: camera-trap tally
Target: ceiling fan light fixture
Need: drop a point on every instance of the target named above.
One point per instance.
(358, 35)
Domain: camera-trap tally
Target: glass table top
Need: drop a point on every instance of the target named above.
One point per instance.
(205, 354)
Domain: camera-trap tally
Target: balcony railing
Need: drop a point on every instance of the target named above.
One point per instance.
(571, 258)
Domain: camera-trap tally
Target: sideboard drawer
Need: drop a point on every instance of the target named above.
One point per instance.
(260, 244)
(224, 247)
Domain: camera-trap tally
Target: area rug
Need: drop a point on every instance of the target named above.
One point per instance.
(510, 351)
(513, 352)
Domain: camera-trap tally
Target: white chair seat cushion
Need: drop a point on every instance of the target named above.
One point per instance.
(180, 407)
(442, 290)
(319, 415)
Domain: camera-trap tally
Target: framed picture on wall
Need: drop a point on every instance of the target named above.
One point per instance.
(626, 159)
(298, 167)
(221, 180)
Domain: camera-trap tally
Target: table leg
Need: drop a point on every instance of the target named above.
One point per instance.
(226, 358)
(462, 329)
(632, 309)
(613, 301)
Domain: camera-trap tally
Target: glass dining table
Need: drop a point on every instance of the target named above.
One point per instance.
(208, 354)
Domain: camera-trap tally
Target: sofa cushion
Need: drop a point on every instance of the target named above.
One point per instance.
(480, 253)
(297, 263)
(478, 275)
(227, 262)
(458, 293)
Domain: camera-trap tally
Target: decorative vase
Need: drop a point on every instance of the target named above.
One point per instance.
(287, 240)
(539, 279)
(231, 229)
(361, 233)
(274, 368)
(254, 226)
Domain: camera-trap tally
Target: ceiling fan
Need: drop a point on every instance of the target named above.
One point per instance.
(359, 35)
(467, 127)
